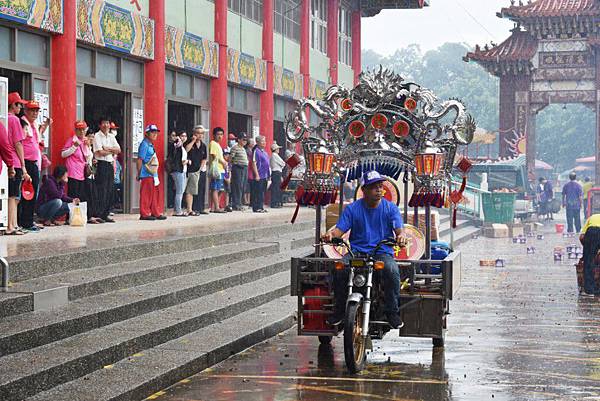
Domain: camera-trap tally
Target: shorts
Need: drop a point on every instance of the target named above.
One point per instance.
(14, 184)
(217, 185)
(192, 183)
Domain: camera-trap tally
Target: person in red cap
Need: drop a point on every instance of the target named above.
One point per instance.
(76, 153)
(32, 156)
(15, 139)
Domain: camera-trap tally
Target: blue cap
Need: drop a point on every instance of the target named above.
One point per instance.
(151, 127)
(371, 177)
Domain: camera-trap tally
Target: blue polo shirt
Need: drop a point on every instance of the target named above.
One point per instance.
(145, 153)
(370, 225)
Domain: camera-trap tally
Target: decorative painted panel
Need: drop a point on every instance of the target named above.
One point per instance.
(564, 74)
(246, 70)
(565, 59)
(563, 85)
(44, 14)
(317, 88)
(191, 52)
(563, 97)
(287, 83)
(563, 45)
(103, 24)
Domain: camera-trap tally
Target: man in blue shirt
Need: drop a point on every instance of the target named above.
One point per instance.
(151, 202)
(370, 219)
(572, 195)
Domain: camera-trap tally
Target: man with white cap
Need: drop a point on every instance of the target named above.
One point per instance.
(371, 220)
(277, 165)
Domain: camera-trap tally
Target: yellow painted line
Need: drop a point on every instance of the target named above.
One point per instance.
(185, 381)
(347, 379)
(346, 392)
(138, 354)
(258, 390)
(109, 366)
(156, 395)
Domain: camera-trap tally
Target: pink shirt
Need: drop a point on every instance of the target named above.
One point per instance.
(31, 145)
(5, 154)
(75, 163)
(15, 134)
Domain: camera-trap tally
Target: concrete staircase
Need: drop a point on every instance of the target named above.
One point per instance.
(123, 322)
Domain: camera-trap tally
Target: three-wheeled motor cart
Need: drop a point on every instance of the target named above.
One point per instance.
(386, 125)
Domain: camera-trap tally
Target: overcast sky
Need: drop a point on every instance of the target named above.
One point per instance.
(469, 21)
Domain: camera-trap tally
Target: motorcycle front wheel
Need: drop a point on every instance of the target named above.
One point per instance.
(354, 342)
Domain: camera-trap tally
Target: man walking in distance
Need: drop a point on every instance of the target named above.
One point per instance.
(239, 171)
(106, 148)
(572, 196)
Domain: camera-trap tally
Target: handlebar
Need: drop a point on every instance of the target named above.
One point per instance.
(341, 242)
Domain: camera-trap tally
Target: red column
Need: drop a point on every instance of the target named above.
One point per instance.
(506, 107)
(305, 46)
(154, 85)
(356, 56)
(267, 106)
(63, 82)
(332, 39)
(218, 86)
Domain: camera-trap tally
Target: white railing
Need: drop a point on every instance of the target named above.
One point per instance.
(474, 205)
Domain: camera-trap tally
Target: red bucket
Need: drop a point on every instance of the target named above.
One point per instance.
(560, 228)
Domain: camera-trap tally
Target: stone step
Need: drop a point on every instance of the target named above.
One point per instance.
(29, 372)
(27, 268)
(29, 330)
(142, 374)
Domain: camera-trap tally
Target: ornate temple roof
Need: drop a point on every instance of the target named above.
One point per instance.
(509, 57)
(551, 8)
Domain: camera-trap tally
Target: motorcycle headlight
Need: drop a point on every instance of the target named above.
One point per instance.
(359, 280)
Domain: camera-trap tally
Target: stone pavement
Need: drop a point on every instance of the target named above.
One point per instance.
(129, 229)
(519, 333)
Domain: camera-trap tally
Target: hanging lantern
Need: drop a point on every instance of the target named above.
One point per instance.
(401, 129)
(357, 128)
(320, 162)
(346, 104)
(410, 104)
(429, 162)
(379, 121)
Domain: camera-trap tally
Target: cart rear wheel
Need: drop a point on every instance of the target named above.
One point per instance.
(326, 340)
(354, 342)
(438, 342)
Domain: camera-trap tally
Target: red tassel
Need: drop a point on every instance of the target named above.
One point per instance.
(286, 182)
(454, 217)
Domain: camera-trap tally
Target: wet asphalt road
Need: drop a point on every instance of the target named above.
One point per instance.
(515, 333)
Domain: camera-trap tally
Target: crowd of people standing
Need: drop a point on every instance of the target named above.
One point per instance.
(236, 176)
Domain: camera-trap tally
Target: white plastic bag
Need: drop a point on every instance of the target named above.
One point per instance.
(78, 214)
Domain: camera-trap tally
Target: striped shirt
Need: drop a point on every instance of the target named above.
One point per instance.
(239, 157)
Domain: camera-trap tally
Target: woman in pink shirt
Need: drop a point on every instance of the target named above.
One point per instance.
(76, 153)
(32, 156)
(15, 139)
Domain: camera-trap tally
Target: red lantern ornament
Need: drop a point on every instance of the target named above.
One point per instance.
(346, 104)
(410, 104)
(401, 129)
(464, 165)
(379, 121)
(357, 128)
